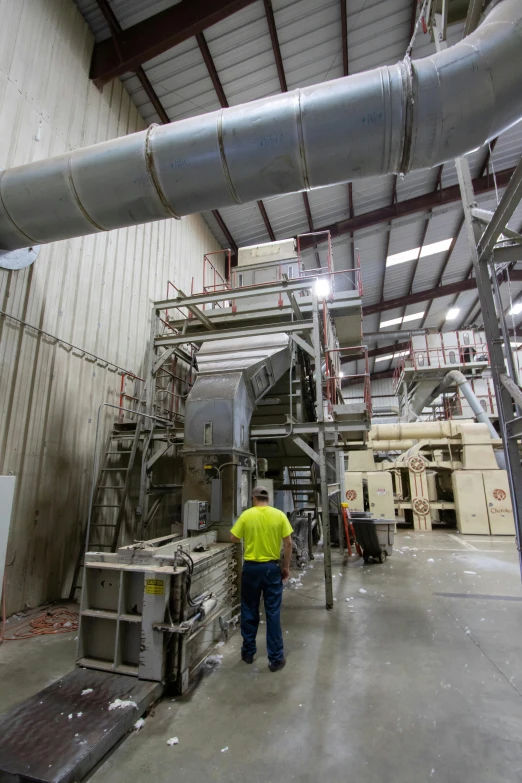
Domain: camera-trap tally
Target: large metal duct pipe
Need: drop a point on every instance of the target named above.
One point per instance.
(455, 377)
(412, 430)
(411, 115)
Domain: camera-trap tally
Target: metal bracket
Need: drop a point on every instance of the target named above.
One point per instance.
(303, 344)
(18, 259)
(308, 450)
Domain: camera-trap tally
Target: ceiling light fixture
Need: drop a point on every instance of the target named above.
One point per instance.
(516, 309)
(452, 313)
(419, 252)
(404, 319)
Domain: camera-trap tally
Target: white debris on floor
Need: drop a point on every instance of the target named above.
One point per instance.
(223, 750)
(122, 703)
(213, 660)
(140, 723)
(86, 691)
(362, 590)
(471, 573)
(79, 714)
(70, 716)
(173, 741)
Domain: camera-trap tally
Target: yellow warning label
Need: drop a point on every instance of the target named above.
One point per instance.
(154, 586)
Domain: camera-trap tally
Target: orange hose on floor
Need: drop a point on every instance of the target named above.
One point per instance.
(52, 621)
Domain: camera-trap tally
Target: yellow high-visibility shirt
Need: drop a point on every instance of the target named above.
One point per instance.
(262, 528)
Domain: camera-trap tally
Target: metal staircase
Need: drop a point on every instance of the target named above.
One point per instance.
(304, 487)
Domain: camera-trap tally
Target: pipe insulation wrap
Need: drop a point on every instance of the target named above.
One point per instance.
(415, 114)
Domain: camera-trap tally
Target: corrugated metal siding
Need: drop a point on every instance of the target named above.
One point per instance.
(94, 292)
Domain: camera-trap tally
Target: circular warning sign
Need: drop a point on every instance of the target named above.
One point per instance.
(351, 494)
(499, 494)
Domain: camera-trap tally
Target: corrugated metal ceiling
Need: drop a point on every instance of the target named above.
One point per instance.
(309, 33)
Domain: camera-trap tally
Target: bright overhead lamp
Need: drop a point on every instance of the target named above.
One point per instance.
(391, 356)
(322, 288)
(452, 313)
(341, 374)
(419, 252)
(516, 309)
(404, 319)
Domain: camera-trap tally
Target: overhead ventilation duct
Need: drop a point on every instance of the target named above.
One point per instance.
(393, 119)
(456, 378)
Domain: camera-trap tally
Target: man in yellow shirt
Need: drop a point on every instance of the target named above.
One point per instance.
(262, 528)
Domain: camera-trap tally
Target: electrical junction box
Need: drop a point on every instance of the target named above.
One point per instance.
(380, 494)
(196, 515)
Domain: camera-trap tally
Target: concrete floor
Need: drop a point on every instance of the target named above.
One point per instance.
(417, 678)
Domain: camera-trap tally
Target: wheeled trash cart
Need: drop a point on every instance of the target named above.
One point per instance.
(375, 536)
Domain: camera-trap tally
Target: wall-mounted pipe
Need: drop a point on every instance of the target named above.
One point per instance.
(393, 119)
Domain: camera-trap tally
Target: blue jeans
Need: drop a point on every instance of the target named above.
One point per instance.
(263, 578)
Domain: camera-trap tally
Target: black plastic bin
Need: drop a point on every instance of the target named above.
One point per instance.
(375, 536)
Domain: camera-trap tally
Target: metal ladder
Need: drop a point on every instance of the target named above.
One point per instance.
(129, 432)
(110, 495)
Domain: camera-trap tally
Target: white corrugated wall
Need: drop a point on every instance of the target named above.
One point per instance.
(95, 293)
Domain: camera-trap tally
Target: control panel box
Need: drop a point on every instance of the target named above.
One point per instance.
(196, 515)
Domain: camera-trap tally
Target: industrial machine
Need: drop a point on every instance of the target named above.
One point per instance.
(223, 363)
(243, 380)
(242, 384)
(441, 472)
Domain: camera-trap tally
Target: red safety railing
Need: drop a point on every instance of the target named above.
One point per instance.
(451, 351)
(364, 377)
(213, 280)
(128, 400)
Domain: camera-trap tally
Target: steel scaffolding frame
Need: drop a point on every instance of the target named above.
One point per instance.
(484, 246)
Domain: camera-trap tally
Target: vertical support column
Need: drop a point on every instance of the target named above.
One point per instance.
(339, 469)
(150, 393)
(325, 504)
(316, 341)
(494, 341)
(325, 508)
(505, 332)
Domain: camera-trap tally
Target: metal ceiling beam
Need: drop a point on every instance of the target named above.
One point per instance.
(469, 284)
(266, 221)
(269, 11)
(220, 92)
(420, 296)
(379, 351)
(212, 71)
(230, 239)
(116, 32)
(388, 239)
(344, 33)
(412, 206)
(156, 35)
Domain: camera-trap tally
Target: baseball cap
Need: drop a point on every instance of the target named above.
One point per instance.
(260, 492)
